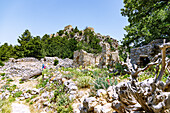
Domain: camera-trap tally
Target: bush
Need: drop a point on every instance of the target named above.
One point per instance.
(18, 94)
(42, 83)
(5, 105)
(84, 81)
(1, 63)
(2, 74)
(56, 62)
(104, 83)
(68, 76)
(61, 100)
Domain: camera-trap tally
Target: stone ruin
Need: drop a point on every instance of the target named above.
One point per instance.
(107, 57)
(141, 56)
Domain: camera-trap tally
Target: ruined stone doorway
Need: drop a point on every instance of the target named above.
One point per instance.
(144, 60)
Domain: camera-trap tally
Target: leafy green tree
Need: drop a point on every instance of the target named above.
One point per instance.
(80, 33)
(23, 41)
(35, 48)
(72, 34)
(61, 32)
(45, 37)
(148, 20)
(76, 30)
(6, 52)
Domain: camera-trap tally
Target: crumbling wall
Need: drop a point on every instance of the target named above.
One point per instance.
(83, 58)
(148, 51)
(107, 57)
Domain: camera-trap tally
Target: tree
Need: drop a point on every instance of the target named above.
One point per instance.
(149, 20)
(6, 52)
(23, 41)
(61, 32)
(76, 30)
(35, 48)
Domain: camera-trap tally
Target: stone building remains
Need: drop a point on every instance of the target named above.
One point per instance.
(107, 57)
(142, 55)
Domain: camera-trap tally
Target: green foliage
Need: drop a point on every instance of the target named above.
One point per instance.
(61, 32)
(120, 68)
(62, 109)
(76, 30)
(1, 63)
(60, 46)
(72, 34)
(68, 76)
(3, 78)
(168, 56)
(149, 20)
(42, 83)
(6, 52)
(18, 94)
(104, 83)
(31, 103)
(5, 105)
(91, 43)
(124, 76)
(61, 99)
(2, 74)
(80, 33)
(27, 100)
(56, 62)
(84, 81)
(122, 53)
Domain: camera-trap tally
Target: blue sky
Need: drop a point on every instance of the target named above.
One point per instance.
(49, 16)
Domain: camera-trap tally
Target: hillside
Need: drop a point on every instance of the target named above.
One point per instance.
(61, 44)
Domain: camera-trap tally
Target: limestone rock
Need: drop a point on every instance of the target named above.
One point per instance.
(101, 92)
(89, 104)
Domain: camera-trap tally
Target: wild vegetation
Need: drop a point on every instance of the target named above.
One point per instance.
(137, 87)
(61, 46)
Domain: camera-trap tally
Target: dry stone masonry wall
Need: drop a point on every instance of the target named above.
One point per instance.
(141, 54)
(107, 57)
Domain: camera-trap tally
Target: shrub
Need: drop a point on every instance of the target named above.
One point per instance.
(62, 109)
(80, 33)
(27, 100)
(61, 100)
(31, 103)
(1, 63)
(10, 80)
(68, 76)
(104, 83)
(56, 62)
(2, 74)
(42, 83)
(84, 81)
(5, 105)
(18, 94)
(3, 78)
(168, 56)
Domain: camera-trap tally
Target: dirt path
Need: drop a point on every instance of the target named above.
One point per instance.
(20, 108)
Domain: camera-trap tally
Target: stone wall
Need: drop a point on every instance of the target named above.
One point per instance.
(107, 57)
(83, 58)
(147, 51)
